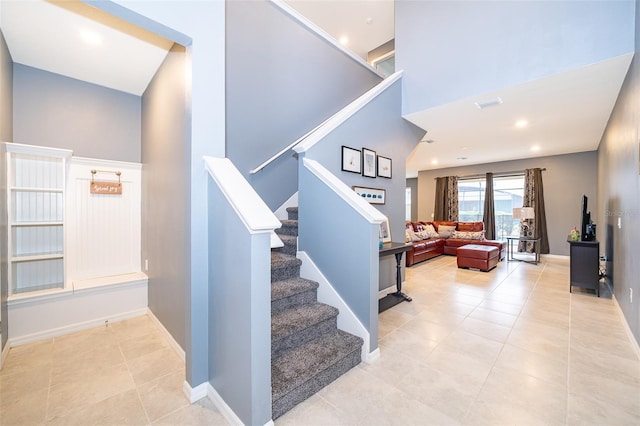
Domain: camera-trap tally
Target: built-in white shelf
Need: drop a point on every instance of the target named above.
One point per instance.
(37, 257)
(25, 189)
(19, 224)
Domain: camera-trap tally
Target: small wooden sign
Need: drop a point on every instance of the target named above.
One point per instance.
(108, 188)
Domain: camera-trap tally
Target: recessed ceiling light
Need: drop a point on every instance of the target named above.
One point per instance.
(344, 40)
(464, 148)
(369, 21)
(535, 148)
(520, 124)
(91, 37)
(434, 161)
(488, 103)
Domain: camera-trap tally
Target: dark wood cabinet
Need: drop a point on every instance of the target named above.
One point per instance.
(584, 265)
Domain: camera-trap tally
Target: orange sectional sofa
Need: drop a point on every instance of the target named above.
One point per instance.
(431, 239)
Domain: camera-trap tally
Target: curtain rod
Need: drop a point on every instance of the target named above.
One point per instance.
(498, 174)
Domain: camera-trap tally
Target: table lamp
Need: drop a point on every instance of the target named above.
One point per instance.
(524, 214)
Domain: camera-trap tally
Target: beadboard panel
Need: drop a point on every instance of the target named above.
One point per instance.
(104, 231)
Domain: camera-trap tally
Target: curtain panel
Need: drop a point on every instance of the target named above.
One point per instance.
(489, 215)
(534, 197)
(446, 199)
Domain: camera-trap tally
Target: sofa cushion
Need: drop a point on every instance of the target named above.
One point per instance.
(470, 226)
(438, 223)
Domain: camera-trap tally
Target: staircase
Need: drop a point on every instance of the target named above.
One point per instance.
(307, 350)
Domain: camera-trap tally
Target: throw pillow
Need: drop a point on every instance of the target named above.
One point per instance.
(431, 231)
(411, 236)
(477, 235)
(445, 231)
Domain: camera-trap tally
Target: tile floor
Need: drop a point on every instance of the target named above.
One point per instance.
(509, 347)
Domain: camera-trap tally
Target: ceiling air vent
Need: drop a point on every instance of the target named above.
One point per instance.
(489, 103)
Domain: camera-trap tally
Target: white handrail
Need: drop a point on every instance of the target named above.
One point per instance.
(365, 209)
(322, 33)
(250, 208)
(284, 150)
(345, 113)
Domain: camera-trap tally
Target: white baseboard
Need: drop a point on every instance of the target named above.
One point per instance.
(347, 320)
(632, 338)
(372, 356)
(281, 212)
(72, 328)
(5, 353)
(194, 394)
(172, 342)
(222, 406)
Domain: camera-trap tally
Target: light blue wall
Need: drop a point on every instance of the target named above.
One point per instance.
(451, 50)
(282, 81)
(62, 112)
(240, 312)
(198, 25)
(165, 193)
(619, 192)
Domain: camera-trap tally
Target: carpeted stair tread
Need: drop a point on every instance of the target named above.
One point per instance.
(292, 292)
(301, 372)
(289, 227)
(284, 266)
(290, 244)
(292, 213)
(301, 324)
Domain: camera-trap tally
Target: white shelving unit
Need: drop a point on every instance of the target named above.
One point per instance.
(36, 179)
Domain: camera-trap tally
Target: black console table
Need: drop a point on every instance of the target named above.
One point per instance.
(584, 264)
(392, 299)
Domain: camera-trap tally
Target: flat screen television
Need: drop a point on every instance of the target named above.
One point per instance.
(585, 231)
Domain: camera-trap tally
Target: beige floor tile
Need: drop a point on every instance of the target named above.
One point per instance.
(27, 357)
(464, 367)
(121, 409)
(483, 349)
(163, 396)
(154, 365)
(618, 393)
(315, 411)
(586, 360)
(142, 345)
(427, 329)
(28, 409)
(77, 366)
(201, 413)
(391, 366)
(586, 410)
(493, 316)
(408, 344)
(520, 360)
(14, 387)
(498, 306)
(486, 329)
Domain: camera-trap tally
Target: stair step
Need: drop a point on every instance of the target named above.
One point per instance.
(289, 227)
(301, 372)
(292, 292)
(292, 212)
(301, 324)
(284, 266)
(290, 245)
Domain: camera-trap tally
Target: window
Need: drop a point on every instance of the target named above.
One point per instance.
(386, 64)
(407, 209)
(508, 192)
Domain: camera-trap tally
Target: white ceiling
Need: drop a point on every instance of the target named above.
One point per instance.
(566, 112)
(52, 36)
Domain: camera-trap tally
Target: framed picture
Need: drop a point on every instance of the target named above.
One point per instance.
(372, 195)
(368, 163)
(385, 231)
(351, 160)
(384, 167)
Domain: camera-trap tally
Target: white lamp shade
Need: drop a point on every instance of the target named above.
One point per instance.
(523, 213)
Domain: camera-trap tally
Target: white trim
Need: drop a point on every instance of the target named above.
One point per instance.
(194, 394)
(345, 113)
(247, 204)
(365, 209)
(382, 58)
(282, 213)
(38, 150)
(322, 33)
(80, 326)
(110, 281)
(91, 162)
(347, 319)
(5, 353)
(630, 335)
(276, 242)
(222, 406)
(372, 356)
(172, 342)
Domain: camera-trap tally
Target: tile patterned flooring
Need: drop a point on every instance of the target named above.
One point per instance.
(508, 347)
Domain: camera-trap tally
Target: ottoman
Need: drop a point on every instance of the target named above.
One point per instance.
(477, 256)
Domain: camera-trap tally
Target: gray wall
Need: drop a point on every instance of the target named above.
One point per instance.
(61, 112)
(6, 92)
(165, 193)
(619, 192)
(282, 81)
(413, 184)
(566, 179)
(451, 50)
(6, 135)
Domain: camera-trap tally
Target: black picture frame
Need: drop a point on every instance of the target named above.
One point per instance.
(384, 167)
(368, 163)
(351, 160)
